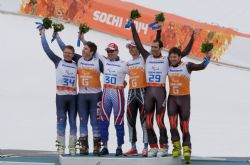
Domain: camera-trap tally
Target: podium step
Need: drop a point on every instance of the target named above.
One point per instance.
(113, 160)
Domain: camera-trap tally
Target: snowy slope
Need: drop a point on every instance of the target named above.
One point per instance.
(220, 123)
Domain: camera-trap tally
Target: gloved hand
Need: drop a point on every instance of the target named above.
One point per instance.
(41, 30)
(208, 57)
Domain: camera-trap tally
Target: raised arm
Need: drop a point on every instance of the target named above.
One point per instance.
(82, 39)
(59, 41)
(196, 67)
(158, 34)
(188, 48)
(54, 58)
(62, 45)
(138, 43)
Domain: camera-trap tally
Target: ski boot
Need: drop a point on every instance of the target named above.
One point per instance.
(152, 152)
(104, 151)
(97, 146)
(72, 150)
(118, 152)
(83, 145)
(131, 152)
(187, 154)
(145, 152)
(176, 152)
(163, 150)
(60, 147)
(72, 145)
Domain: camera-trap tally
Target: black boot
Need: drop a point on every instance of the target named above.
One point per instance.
(118, 152)
(84, 145)
(104, 151)
(97, 146)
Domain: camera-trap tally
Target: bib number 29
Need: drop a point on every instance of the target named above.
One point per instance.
(154, 78)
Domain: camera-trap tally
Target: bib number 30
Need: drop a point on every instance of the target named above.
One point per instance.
(110, 80)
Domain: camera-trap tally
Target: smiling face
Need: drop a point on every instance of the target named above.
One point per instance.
(86, 52)
(174, 59)
(112, 54)
(133, 51)
(155, 49)
(68, 54)
(112, 51)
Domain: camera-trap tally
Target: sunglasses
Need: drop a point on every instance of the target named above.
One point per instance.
(110, 51)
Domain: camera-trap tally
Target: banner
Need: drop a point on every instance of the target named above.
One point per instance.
(110, 16)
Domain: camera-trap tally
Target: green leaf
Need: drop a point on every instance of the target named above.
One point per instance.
(33, 2)
(47, 23)
(58, 27)
(135, 14)
(83, 28)
(206, 47)
(159, 17)
(210, 35)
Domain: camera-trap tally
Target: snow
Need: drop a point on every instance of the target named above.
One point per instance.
(219, 124)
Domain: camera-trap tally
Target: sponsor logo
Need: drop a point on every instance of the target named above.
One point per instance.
(64, 65)
(82, 63)
(176, 70)
(156, 62)
(137, 63)
(113, 65)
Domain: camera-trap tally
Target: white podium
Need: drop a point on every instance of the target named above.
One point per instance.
(113, 160)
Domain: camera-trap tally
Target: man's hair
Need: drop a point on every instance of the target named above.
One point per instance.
(92, 46)
(159, 42)
(69, 47)
(175, 50)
